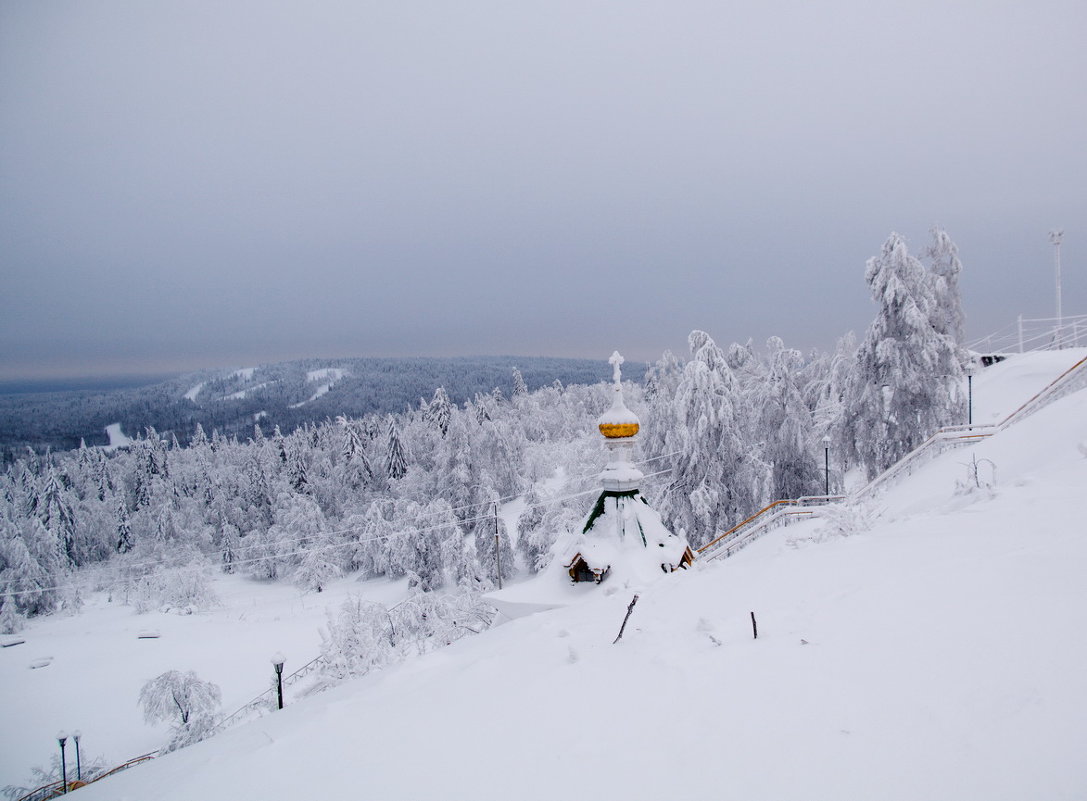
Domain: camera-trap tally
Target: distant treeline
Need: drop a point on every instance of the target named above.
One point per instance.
(272, 395)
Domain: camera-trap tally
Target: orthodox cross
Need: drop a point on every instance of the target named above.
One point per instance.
(615, 361)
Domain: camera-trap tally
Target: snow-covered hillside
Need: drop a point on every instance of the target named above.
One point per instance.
(936, 654)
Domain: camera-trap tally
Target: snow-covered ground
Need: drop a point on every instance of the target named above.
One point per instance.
(97, 663)
(937, 654)
(242, 394)
(1002, 388)
(194, 392)
(330, 375)
(117, 438)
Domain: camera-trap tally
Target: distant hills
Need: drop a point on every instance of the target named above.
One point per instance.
(287, 394)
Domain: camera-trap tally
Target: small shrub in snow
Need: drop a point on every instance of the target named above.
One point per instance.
(11, 620)
(840, 520)
(364, 635)
(980, 478)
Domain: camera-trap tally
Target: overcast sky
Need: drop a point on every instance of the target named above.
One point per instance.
(191, 184)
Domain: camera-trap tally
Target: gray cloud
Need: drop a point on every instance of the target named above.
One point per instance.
(187, 184)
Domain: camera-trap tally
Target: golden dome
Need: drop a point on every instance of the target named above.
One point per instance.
(618, 422)
(618, 430)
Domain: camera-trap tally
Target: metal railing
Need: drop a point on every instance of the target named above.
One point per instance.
(58, 788)
(766, 519)
(1038, 333)
(778, 513)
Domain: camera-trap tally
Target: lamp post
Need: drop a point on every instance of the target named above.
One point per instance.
(277, 663)
(1055, 238)
(78, 765)
(826, 465)
(62, 738)
(971, 368)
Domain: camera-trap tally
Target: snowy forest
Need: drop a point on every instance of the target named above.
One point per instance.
(287, 394)
(725, 430)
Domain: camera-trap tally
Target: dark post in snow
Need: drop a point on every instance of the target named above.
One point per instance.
(78, 765)
(277, 662)
(625, 619)
(970, 394)
(826, 465)
(62, 738)
(497, 549)
(754, 626)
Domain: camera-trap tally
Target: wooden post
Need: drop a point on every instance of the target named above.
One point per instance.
(754, 626)
(625, 619)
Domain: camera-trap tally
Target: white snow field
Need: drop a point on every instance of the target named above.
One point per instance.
(938, 654)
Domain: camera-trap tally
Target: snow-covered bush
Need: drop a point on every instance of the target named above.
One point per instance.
(357, 638)
(186, 587)
(11, 620)
(363, 635)
(186, 701)
(839, 520)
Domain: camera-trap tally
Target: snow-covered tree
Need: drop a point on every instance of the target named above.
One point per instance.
(184, 700)
(396, 465)
(439, 410)
(520, 388)
(908, 381)
(946, 315)
(785, 426)
(717, 478)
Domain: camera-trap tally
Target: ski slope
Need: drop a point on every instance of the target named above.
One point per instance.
(937, 654)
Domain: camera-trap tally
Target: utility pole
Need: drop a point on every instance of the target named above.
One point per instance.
(1055, 238)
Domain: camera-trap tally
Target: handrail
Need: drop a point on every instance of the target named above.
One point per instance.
(743, 523)
(58, 787)
(755, 521)
(1011, 417)
(125, 766)
(974, 432)
(955, 435)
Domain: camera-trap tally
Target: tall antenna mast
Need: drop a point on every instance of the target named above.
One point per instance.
(1055, 238)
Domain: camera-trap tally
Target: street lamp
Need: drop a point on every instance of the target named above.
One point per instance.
(78, 765)
(277, 663)
(1055, 238)
(826, 465)
(971, 368)
(62, 738)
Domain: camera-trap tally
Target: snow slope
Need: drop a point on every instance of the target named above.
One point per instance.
(117, 438)
(330, 375)
(936, 655)
(1000, 389)
(97, 663)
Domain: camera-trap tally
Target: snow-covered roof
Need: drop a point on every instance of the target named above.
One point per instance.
(625, 538)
